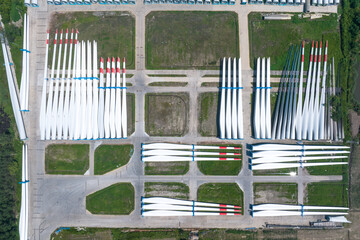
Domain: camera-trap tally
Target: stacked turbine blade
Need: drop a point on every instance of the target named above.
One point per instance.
(262, 108)
(307, 118)
(278, 210)
(171, 152)
(24, 86)
(231, 111)
(24, 209)
(13, 93)
(161, 206)
(277, 156)
(79, 103)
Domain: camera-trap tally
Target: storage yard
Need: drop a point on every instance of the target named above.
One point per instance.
(179, 114)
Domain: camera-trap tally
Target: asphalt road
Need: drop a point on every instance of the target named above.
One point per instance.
(60, 200)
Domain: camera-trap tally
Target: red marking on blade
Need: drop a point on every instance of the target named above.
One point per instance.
(320, 44)
(60, 41)
(316, 44)
(66, 30)
(236, 153)
(55, 41)
(112, 70)
(222, 153)
(65, 41)
(101, 70)
(75, 41)
(222, 205)
(108, 59)
(237, 214)
(48, 31)
(113, 59)
(302, 58)
(223, 209)
(101, 60)
(315, 58)
(61, 31)
(326, 44)
(123, 70)
(118, 59)
(107, 70)
(325, 57)
(123, 59)
(237, 159)
(56, 31)
(313, 44)
(47, 41)
(311, 58)
(223, 213)
(221, 147)
(303, 44)
(222, 158)
(237, 147)
(118, 70)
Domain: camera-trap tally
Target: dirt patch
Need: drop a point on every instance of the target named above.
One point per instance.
(282, 193)
(167, 114)
(355, 123)
(172, 190)
(208, 117)
(166, 168)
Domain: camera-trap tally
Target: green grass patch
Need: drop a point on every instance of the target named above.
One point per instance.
(167, 189)
(99, 26)
(129, 76)
(329, 170)
(327, 194)
(211, 76)
(120, 233)
(168, 84)
(166, 168)
(167, 75)
(274, 38)
(226, 193)
(210, 84)
(274, 172)
(67, 159)
(173, 39)
(208, 117)
(222, 167)
(130, 108)
(110, 157)
(282, 193)
(117, 199)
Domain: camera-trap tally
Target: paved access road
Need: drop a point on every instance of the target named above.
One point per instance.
(60, 200)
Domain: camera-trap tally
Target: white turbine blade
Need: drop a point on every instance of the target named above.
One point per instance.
(305, 114)
(23, 72)
(164, 200)
(96, 90)
(228, 102)
(257, 102)
(101, 100)
(60, 112)
(112, 100)
(239, 104)
(295, 153)
(222, 104)
(183, 153)
(89, 99)
(292, 159)
(262, 101)
(267, 99)
(107, 101)
(77, 110)
(186, 208)
(72, 104)
(234, 108)
(83, 102)
(147, 146)
(118, 101)
(271, 206)
(310, 129)
(42, 119)
(317, 96)
(321, 124)
(124, 107)
(277, 147)
(292, 213)
(169, 158)
(299, 109)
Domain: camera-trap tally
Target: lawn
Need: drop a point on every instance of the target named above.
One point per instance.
(100, 26)
(282, 193)
(167, 189)
(174, 41)
(222, 167)
(166, 168)
(67, 159)
(117, 199)
(208, 117)
(168, 84)
(120, 233)
(130, 108)
(166, 114)
(226, 193)
(327, 194)
(110, 157)
(329, 170)
(273, 38)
